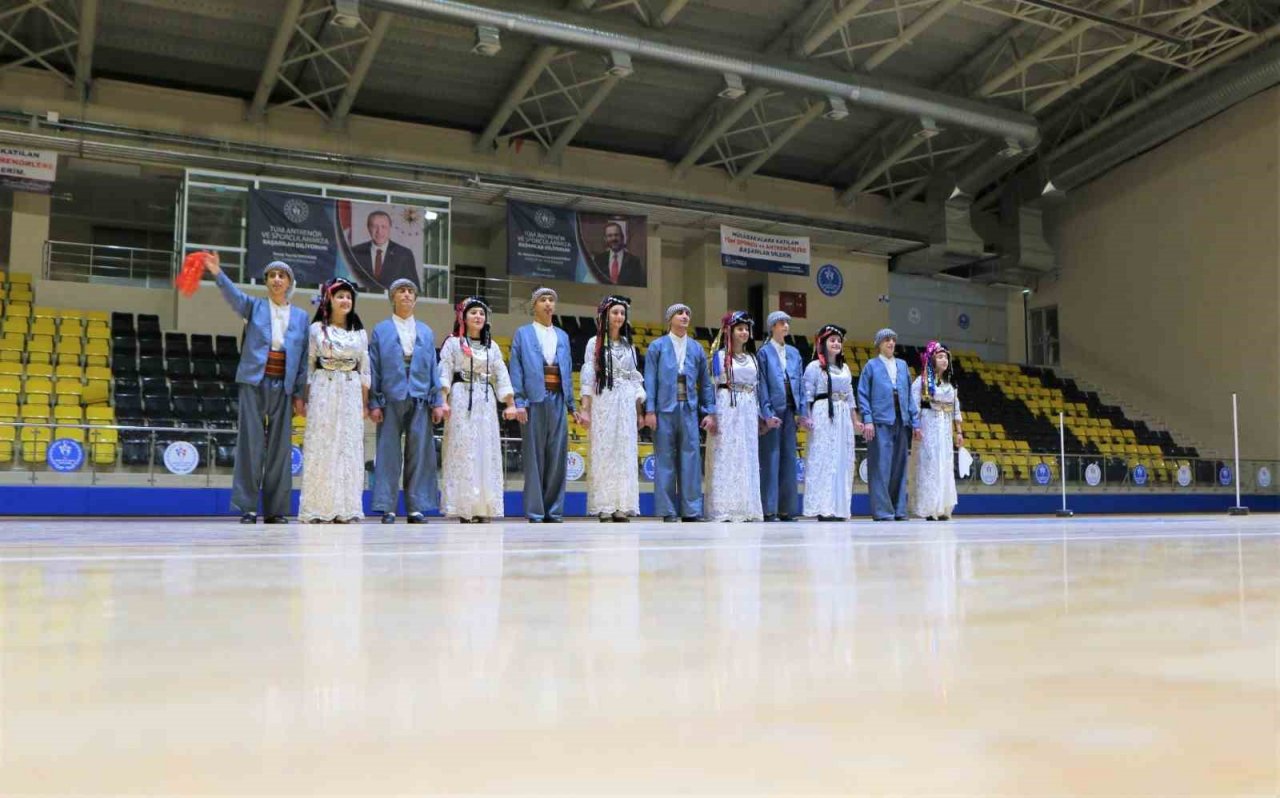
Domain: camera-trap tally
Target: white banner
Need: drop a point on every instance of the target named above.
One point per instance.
(743, 249)
(28, 170)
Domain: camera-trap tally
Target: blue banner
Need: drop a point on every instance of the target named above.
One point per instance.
(546, 243)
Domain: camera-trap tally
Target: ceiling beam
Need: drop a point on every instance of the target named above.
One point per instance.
(721, 126)
(84, 47)
(835, 23)
(275, 57)
(538, 61)
(919, 25)
(811, 113)
(360, 71)
(588, 108)
(669, 13)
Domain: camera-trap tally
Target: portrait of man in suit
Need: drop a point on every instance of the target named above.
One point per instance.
(383, 259)
(617, 266)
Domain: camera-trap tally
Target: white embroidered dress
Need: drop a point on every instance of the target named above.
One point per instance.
(733, 452)
(333, 473)
(828, 461)
(613, 483)
(932, 468)
(472, 481)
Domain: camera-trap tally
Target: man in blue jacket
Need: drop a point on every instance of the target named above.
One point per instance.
(404, 401)
(783, 406)
(542, 376)
(677, 385)
(884, 397)
(272, 370)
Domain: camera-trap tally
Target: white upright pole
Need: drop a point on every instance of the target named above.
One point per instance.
(1062, 464)
(1239, 509)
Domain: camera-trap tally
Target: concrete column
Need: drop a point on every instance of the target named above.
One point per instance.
(28, 232)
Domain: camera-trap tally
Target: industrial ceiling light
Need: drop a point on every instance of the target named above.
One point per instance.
(928, 129)
(346, 13)
(1050, 190)
(487, 41)
(1012, 149)
(836, 108)
(733, 88)
(957, 192)
(620, 64)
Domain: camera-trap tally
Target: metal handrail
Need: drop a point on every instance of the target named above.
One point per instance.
(75, 261)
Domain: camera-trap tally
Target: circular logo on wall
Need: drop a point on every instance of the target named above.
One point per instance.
(544, 218)
(295, 460)
(574, 466)
(913, 315)
(1264, 477)
(1139, 475)
(862, 472)
(799, 469)
(64, 455)
(1041, 472)
(830, 280)
(649, 467)
(1184, 475)
(990, 472)
(962, 321)
(180, 457)
(1224, 476)
(1093, 475)
(296, 210)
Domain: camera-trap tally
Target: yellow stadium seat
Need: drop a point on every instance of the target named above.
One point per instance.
(44, 327)
(10, 384)
(38, 385)
(68, 387)
(14, 326)
(19, 278)
(68, 343)
(35, 443)
(39, 370)
(97, 315)
(100, 415)
(12, 369)
(68, 414)
(17, 308)
(103, 445)
(97, 332)
(68, 372)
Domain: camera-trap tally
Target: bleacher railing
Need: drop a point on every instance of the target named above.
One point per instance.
(1084, 473)
(95, 263)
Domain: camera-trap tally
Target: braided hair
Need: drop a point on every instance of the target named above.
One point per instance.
(603, 362)
(724, 341)
(460, 332)
(829, 331)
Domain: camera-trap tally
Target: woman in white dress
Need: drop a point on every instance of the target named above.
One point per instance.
(338, 393)
(828, 462)
(471, 485)
(933, 489)
(612, 398)
(733, 450)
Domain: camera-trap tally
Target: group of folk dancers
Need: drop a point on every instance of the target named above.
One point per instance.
(750, 403)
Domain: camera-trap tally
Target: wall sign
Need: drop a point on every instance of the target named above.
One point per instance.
(1093, 475)
(649, 467)
(1264, 477)
(295, 460)
(64, 455)
(1184, 475)
(574, 466)
(180, 457)
(830, 280)
(990, 472)
(793, 303)
(1041, 472)
(1139, 475)
(1224, 476)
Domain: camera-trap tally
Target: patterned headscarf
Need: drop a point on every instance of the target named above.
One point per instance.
(724, 340)
(820, 348)
(928, 371)
(325, 301)
(460, 332)
(604, 363)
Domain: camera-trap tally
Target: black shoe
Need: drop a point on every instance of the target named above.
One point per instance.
(464, 520)
(388, 518)
(881, 519)
(476, 519)
(550, 520)
(621, 518)
(787, 518)
(249, 518)
(930, 518)
(691, 519)
(900, 518)
(669, 519)
(828, 518)
(276, 519)
(605, 518)
(534, 520)
(771, 518)
(416, 518)
(944, 518)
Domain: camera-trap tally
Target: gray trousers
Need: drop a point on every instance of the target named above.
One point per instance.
(409, 420)
(779, 493)
(677, 479)
(545, 446)
(263, 462)
(887, 470)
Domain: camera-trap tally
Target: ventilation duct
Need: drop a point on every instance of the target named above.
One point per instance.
(955, 244)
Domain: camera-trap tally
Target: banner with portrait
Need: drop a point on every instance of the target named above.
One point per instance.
(547, 243)
(372, 244)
